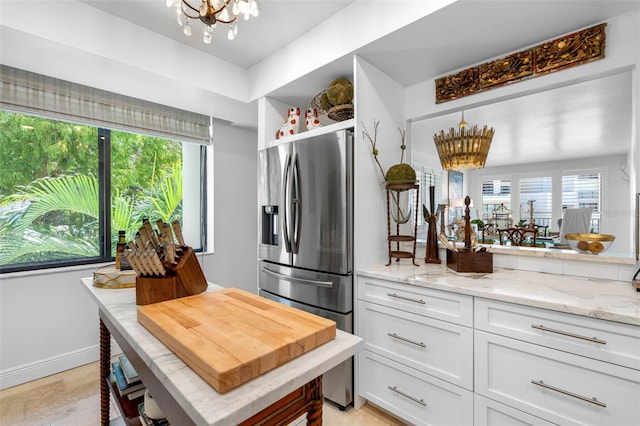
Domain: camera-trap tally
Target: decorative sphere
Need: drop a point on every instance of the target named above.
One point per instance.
(401, 173)
(340, 91)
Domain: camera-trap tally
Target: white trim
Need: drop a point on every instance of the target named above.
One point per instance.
(35, 370)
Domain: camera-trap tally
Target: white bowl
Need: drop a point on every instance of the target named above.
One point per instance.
(590, 243)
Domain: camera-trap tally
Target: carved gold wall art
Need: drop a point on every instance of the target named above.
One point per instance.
(567, 51)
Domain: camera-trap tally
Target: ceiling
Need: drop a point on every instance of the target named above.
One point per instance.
(575, 121)
(279, 22)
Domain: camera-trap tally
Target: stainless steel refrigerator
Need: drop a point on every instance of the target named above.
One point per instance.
(306, 235)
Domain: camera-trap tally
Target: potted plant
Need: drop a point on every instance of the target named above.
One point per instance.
(397, 175)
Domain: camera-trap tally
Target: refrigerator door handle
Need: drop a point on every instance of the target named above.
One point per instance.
(296, 200)
(327, 284)
(285, 196)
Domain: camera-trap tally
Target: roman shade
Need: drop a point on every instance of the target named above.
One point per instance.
(26, 92)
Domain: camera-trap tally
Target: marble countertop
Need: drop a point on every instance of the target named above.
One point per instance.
(591, 297)
(197, 398)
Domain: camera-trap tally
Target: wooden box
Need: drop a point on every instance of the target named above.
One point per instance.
(184, 279)
(467, 261)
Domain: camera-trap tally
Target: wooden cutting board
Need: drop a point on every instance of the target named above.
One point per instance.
(231, 336)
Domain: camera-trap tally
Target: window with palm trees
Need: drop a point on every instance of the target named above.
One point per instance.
(66, 189)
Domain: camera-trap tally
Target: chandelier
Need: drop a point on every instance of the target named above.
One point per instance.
(212, 12)
(464, 147)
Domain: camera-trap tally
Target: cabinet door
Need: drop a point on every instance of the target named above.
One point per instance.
(557, 386)
(442, 305)
(595, 338)
(487, 412)
(415, 397)
(439, 348)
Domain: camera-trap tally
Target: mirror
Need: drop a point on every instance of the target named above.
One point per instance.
(580, 127)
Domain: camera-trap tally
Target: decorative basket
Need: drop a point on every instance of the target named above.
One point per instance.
(317, 103)
(341, 112)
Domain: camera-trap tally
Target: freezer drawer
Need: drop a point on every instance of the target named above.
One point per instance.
(327, 291)
(337, 383)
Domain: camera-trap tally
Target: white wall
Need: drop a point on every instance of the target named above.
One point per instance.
(234, 262)
(379, 98)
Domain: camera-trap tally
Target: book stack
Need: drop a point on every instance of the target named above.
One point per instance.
(126, 378)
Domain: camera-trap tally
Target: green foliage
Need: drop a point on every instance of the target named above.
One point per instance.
(49, 194)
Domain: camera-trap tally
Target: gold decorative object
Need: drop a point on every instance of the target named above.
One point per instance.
(111, 277)
(463, 148)
(567, 51)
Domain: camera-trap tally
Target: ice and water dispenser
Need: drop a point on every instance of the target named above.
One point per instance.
(270, 225)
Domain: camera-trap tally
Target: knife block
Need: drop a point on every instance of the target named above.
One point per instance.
(184, 279)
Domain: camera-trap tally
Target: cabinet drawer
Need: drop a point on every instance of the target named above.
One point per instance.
(442, 305)
(415, 397)
(487, 412)
(439, 348)
(557, 386)
(595, 338)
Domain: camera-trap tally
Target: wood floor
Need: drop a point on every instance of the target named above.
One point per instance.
(73, 398)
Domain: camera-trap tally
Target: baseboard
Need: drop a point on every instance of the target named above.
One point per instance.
(36, 370)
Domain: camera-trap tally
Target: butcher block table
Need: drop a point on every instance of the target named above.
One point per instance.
(272, 388)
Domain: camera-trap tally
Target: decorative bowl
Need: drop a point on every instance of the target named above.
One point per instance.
(590, 243)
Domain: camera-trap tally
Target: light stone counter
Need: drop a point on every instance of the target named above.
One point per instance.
(591, 297)
(197, 398)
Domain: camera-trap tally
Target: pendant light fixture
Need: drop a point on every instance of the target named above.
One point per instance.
(464, 147)
(212, 12)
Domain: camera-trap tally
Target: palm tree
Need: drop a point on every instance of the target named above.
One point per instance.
(58, 218)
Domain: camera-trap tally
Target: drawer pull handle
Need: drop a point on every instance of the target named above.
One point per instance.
(565, 333)
(593, 400)
(419, 401)
(422, 302)
(404, 339)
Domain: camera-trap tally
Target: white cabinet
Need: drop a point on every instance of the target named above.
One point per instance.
(438, 348)
(412, 395)
(488, 362)
(442, 305)
(608, 341)
(487, 412)
(417, 359)
(564, 368)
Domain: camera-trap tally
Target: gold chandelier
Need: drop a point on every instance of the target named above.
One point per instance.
(464, 147)
(212, 12)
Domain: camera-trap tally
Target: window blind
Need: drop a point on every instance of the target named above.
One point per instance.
(540, 190)
(26, 92)
(581, 191)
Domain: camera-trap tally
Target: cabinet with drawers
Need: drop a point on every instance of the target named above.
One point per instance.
(438, 357)
(563, 368)
(417, 358)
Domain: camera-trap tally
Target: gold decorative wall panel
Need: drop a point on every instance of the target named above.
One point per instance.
(567, 51)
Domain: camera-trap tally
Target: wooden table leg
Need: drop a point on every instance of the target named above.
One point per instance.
(314, 415)
(105, 356)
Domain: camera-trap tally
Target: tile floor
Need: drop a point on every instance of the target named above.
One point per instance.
(73, 398)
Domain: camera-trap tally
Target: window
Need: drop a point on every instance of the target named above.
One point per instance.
(536, 194)
(426, 179)
(582, 190)
(496, 196)
(51, 213)
(82, 163)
